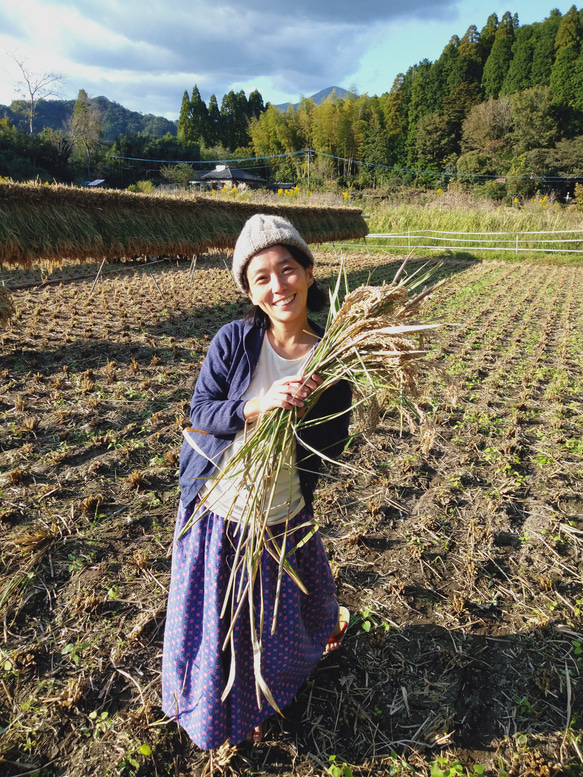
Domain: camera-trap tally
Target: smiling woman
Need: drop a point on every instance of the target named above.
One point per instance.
(241, 638)
(278, 284)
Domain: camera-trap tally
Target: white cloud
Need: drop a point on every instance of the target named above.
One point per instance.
(145, 53)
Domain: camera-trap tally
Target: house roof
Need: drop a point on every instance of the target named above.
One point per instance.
(226, 173)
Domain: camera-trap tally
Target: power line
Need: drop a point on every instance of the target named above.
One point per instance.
(204, 161)
(371, 165)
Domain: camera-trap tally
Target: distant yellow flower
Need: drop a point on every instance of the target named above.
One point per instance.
(440, 192)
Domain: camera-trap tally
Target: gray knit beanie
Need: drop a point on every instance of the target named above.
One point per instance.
(263, 231)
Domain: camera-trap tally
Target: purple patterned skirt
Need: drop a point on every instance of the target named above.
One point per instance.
(194, 667)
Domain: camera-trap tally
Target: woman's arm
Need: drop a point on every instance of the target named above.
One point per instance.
(212, 411)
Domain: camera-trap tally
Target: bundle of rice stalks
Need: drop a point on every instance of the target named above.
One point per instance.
(6, 306)
(372, 340)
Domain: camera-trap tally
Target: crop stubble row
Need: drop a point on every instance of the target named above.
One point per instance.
(431, 538)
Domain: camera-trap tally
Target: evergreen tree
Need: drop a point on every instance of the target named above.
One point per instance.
(213, 130)
(234, 120)
(469, 45)
(423, 101)
(16, 152)
(498, 62)
(448, 61)
(53, 149)
(543, 56)
(199, 117)
(567, 156)
(457, 106)
(434, 139)
(242, 115)
(376, 146)
(193, 119)
(519, 74)
(184, 125)
(468, 67)
(255, 105)
(566, 73)
(228, 122)
(487, 36)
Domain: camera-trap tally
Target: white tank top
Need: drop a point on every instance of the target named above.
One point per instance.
(228, 497)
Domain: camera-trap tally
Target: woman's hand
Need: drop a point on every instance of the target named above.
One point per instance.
(286, 393)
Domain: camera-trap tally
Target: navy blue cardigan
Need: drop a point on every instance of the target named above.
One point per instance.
(216, 411)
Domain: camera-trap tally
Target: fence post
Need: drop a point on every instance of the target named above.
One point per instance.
(516, 244)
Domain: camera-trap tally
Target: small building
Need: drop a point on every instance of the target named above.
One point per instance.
(223, 175)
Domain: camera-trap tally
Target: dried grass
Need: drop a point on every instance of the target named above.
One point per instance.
(52, 223)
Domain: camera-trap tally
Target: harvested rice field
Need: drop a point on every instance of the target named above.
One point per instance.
(459, 551)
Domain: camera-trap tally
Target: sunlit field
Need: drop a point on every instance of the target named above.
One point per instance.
(458, 549)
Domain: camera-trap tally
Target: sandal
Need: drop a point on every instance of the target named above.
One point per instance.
(335, 640)
(256, 734)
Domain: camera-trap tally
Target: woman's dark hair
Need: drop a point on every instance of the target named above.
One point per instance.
(317, 298)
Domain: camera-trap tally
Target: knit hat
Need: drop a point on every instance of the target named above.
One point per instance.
(263, 231)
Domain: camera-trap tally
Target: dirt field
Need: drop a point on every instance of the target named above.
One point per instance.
(460, 555)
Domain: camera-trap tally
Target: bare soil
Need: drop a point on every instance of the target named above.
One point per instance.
(459, 550)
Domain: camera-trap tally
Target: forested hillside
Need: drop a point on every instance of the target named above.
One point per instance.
(116, 120)
(504, 100)
(501, 109)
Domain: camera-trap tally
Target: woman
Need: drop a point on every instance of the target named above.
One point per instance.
(251, 367)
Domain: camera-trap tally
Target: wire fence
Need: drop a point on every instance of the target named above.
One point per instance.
(558, 241)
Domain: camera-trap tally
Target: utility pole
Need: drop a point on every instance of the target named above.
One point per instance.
(309, 152)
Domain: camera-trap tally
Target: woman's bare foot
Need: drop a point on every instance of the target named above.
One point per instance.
(335, 640)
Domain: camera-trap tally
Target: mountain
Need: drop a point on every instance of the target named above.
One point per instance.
(117, 120)
(318, 98)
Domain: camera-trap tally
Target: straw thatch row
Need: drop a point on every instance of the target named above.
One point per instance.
(51, 223)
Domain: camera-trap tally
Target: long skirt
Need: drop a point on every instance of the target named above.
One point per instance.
(195, 668)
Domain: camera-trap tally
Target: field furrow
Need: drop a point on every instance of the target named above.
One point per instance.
(458, 547)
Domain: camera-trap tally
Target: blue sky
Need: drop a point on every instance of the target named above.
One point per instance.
(145, 53)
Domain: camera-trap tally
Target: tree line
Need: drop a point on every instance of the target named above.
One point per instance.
(504, 101)
(502, 108)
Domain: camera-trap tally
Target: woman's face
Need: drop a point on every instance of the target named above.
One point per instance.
(278, 284)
